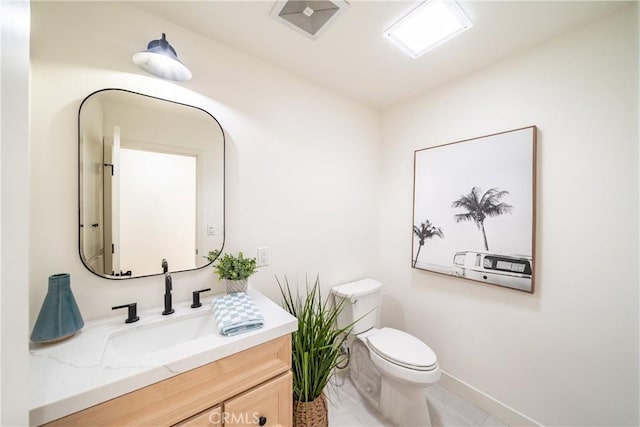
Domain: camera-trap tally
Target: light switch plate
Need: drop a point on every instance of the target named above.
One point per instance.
(263, 256)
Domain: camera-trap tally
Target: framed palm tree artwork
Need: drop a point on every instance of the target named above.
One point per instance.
(474, 209)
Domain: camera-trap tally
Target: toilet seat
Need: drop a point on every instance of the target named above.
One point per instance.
(402, 349)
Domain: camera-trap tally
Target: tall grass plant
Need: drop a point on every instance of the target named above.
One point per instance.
(316, 345)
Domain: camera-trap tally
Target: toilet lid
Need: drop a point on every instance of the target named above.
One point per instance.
(402, 349)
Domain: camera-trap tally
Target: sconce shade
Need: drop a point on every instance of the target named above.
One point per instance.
(161, 59)
(59, 316)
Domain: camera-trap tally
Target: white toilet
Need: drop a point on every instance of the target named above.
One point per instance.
(390, 368)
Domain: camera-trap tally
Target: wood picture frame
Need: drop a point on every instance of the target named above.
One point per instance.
(474, 209)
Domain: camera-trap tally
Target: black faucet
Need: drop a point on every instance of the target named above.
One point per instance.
(168, 309)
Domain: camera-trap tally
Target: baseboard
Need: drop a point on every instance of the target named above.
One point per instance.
(485, 402)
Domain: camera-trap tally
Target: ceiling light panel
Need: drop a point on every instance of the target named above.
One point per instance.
(430, 24)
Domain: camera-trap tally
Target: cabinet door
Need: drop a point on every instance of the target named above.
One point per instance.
(269, 404)
(209, 418)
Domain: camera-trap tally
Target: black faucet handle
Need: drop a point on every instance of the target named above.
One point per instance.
(196, 298)
(132, 315)
(165, 265)
(168, 282)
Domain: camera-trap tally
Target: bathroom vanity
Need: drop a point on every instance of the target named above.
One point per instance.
(166, 370)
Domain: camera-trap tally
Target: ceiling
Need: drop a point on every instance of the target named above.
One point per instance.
(353, 58)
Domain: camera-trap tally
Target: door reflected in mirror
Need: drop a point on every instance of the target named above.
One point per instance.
(151, 184)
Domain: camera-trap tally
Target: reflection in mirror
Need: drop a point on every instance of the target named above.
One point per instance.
(151, 184)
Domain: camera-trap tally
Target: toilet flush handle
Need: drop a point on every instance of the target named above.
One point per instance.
(354, 302)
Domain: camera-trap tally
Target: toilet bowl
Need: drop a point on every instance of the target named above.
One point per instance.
(390, 368)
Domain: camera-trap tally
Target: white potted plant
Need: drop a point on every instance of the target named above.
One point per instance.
(233, 270)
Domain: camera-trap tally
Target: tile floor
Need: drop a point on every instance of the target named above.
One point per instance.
(348, 409)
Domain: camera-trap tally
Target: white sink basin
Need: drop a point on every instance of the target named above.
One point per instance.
(145, 339)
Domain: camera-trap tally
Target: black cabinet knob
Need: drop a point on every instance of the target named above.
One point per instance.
(262, 421)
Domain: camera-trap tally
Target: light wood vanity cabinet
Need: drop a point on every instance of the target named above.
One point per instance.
(234, 391)
(269, 404)
(209, 418)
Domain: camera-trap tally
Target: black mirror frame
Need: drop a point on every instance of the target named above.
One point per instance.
(112, 277)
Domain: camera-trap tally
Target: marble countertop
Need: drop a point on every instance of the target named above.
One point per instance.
(75, 374)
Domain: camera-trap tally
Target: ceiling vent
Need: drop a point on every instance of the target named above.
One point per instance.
(311, 17)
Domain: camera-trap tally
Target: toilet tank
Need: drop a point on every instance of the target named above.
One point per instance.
(362, 298)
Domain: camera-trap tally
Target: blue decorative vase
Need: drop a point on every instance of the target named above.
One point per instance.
(59, 316)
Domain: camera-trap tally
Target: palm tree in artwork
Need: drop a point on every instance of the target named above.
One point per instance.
(424, 232)
(480, 207)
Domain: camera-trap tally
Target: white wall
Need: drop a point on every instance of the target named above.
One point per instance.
(567, 355)
(302, 163)
(14, 212)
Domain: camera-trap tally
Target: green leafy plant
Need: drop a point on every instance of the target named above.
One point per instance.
(316, 345)
(232, 267)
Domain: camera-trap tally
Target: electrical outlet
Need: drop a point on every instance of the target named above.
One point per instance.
(211, 231)
(263, 256)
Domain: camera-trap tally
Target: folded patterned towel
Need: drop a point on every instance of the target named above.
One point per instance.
(236, 313)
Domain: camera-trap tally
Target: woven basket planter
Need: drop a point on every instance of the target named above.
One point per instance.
(311, 414)
(234, 286)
